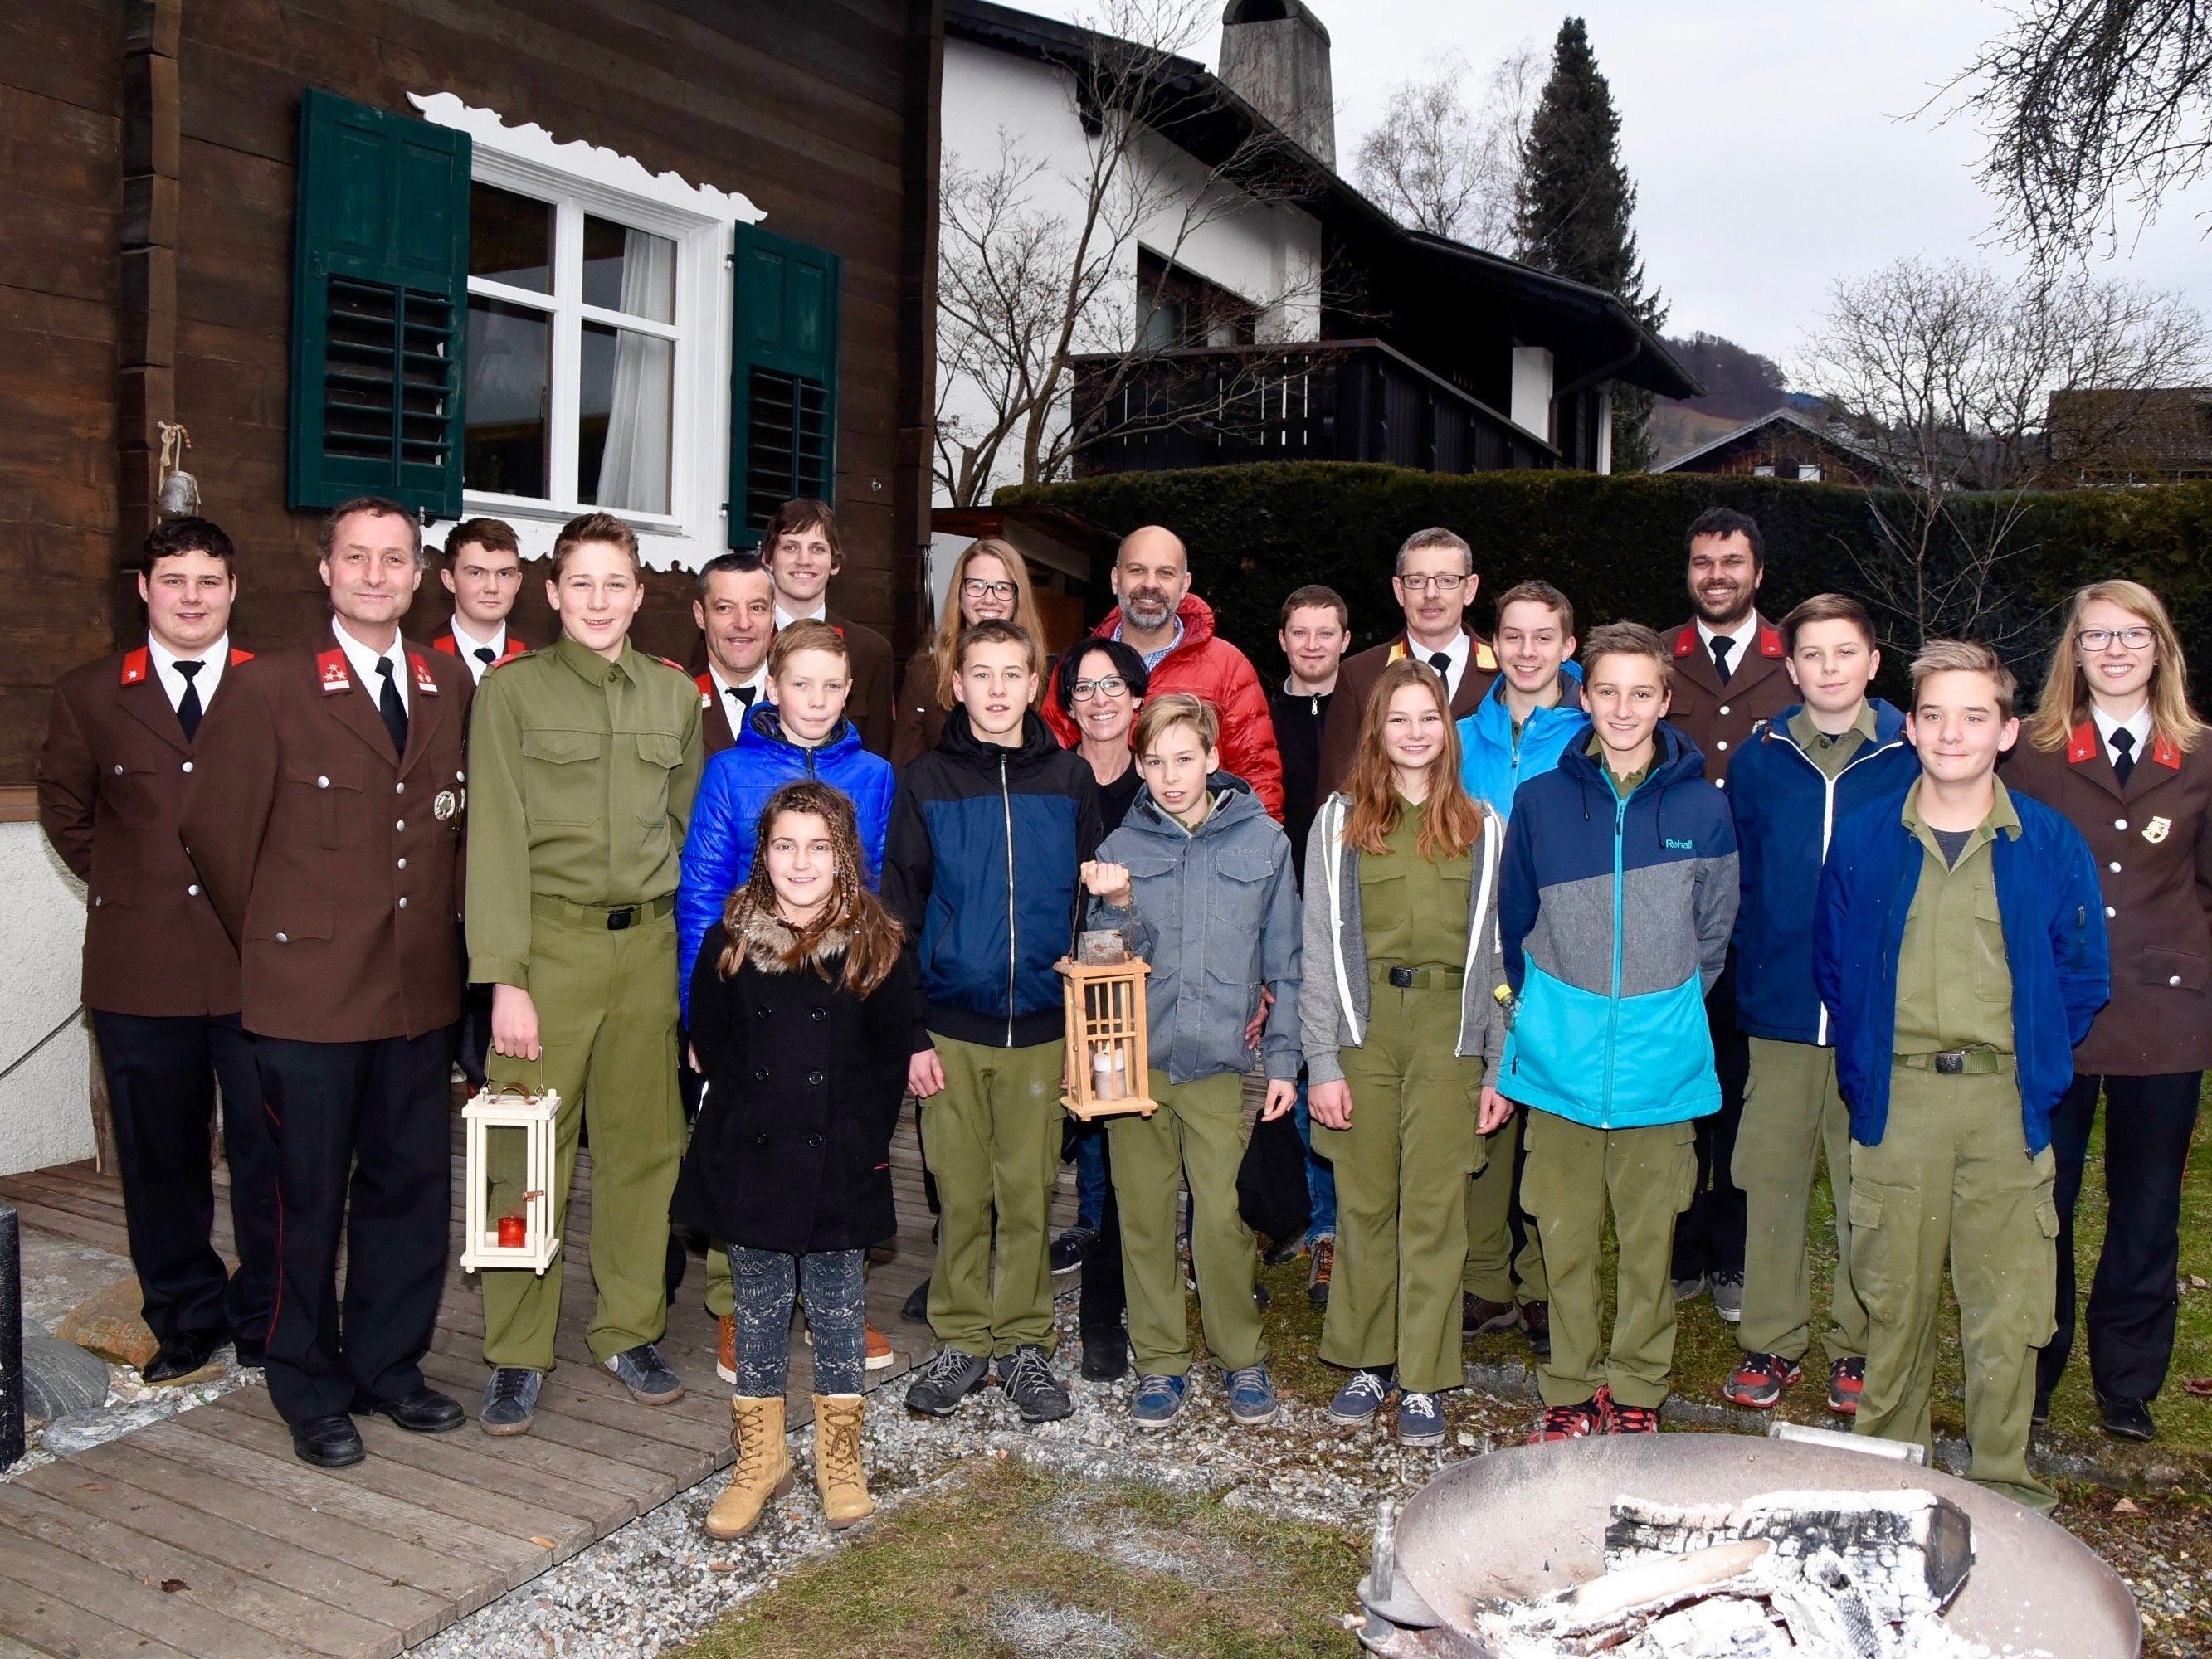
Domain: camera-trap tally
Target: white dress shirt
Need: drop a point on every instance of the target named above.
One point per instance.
(364, 661)
(2137, 725)
(1461, 651)
(785, 618)
(469, 646)
(736, 710)
(212, 662)
(1746, 638)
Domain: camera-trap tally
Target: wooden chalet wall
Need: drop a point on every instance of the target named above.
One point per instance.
(822, 111)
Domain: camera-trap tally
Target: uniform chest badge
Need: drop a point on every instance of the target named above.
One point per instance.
(2157, 830)
(446, 804)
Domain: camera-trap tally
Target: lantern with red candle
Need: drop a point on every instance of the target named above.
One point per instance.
(509, 1208)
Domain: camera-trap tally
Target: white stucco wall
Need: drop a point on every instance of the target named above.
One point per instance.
(46, 1107)
(1532, 390)
(1267, 253)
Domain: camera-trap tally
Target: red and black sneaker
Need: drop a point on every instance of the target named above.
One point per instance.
(1570, 1422)
(1846, 1382)
(1630, 1419)
(1759, 1380)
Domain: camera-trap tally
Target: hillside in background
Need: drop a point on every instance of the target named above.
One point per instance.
(1739, 384)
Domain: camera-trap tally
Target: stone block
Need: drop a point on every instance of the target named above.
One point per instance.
(108, 1324)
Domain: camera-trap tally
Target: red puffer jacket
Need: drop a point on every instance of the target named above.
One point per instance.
(1211, 668)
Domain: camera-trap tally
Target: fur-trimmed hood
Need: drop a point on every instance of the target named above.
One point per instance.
(772, 946)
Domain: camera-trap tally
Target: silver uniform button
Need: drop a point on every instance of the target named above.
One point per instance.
(192, 891)
(2110, 912)
(400, 827)
(188, 766)
(1724, 708)
(2120, 824)
(1720, 783)
(284, 938)
(119, 771)
(322, 783)
(398, 788)
(403, 901)
(2173, 979)
(2114, 866)
(403, 863)
(1723, 744)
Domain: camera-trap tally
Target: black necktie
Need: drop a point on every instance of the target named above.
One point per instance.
(744, 694)
(2122, 764)
(485, 655)
(188, 706)
(1441, 661)
(1722, 646)
(394, 710)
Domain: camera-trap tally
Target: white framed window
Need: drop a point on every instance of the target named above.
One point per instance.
(1763, 470)
(597, 361)
(1808, 472)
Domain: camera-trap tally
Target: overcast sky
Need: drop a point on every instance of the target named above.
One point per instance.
(1769, 142)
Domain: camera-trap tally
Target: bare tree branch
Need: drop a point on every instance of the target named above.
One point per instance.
(1437, 165)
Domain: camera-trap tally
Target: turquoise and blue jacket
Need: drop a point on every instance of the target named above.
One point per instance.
(1492, 766)
(1614, 916)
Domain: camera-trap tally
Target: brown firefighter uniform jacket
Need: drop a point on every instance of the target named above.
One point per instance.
(334, 863)
(1719, 717)
(2151, 839)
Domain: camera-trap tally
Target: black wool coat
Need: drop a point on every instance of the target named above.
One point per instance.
(791, 1149)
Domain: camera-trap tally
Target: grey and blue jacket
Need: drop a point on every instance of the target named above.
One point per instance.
(1616, 913)
(1214, 911)
(1333, 1008)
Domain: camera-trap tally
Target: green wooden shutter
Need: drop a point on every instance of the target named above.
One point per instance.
(379, 308)
(783, 379)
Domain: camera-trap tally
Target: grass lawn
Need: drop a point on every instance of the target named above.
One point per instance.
(1004, 1561)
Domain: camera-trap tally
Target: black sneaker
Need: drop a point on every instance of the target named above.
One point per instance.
(2125, 1420)
(1028, 1383)
(915, 1309)
(1286, 1249)
(1068, 1250)
(1105, 1355)
(949, 1378)
(510, 1400)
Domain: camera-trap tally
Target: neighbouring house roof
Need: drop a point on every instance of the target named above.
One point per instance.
(2161, 432)
(1210, 120)
(1858, 454)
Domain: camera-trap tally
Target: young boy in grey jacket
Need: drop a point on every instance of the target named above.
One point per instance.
(1198, 881)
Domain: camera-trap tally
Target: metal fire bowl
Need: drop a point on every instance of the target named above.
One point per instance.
(1529, 1520)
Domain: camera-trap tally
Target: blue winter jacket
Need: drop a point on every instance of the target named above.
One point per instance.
(718, 852)
(1786, 812)
(1614, 918)
(1492, 767)
(2053, 918)
(981, 868)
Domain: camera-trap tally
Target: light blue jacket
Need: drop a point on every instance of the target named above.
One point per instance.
(1492, 766)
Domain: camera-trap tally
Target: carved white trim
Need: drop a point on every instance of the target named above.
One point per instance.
(577, 158)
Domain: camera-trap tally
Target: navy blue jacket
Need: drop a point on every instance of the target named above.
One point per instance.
(718, 847)
(981, 867)
(2053, 918)
(1786, 811)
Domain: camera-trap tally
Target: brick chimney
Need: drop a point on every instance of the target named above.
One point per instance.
(1274, 55)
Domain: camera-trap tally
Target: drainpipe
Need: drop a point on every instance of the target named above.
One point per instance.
(11, 1337)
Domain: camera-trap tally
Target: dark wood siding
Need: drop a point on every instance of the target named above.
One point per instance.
(820, 111)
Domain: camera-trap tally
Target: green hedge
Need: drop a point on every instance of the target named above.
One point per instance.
(1615, 544)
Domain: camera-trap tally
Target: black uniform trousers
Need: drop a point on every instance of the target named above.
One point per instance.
(162, 1074)
(364, 1143)
(1709, 1235)
(2136, 1292)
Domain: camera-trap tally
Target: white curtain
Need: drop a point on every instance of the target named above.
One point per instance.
(634, 468)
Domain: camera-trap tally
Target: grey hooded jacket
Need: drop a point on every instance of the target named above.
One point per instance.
(1333, 1007)
(1215, 912)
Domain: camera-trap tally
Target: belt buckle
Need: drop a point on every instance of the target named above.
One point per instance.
(621, 917)
(1402, 978)
(1951, 1062)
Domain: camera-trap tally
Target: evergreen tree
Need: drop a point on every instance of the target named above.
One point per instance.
(1576, 205)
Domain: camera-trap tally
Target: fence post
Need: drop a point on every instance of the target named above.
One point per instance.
(11, 1336)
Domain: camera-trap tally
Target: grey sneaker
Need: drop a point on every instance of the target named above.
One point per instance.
(1727, 1296)
(949, 1378)
(1029, 1384)
(646, 1375)
(1251, 1396)
(1689, 1290)
(510, 1400)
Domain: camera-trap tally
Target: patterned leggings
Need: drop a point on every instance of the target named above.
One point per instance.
(766, 1283)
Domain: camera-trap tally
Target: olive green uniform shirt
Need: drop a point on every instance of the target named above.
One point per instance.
(1954, 983)
(1622, 787)
(1832, 755)
(1415, 912)
(583, 775)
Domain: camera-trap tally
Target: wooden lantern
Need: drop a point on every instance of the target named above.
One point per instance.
(522, 1238)
(1108, 1047)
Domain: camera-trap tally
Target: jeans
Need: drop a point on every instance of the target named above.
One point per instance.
(1321, 1175)
(1090, 1181)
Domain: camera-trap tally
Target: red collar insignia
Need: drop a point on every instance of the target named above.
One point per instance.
(423, 683)
(1686, 641)
(238, 656)
(2165, 752)
(2082, 743)
(332, 668)
(707, 690)
(136, 665)
(1769, 641)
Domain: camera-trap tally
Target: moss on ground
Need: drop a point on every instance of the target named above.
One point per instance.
(1006, 1562)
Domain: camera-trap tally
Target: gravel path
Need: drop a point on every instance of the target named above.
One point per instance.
(659, 1581)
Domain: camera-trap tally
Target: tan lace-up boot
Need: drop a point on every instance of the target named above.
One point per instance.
(838, 1476)
(762, 1471)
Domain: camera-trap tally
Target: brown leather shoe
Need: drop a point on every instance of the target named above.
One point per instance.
(725, 1348)
(880, 1356)
(1478, 1315)
(1320, 1268)
(1536, 1324)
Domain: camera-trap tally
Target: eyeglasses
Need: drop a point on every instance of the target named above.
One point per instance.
(1433, 584)
(2096, 639)
(983, 590)
(1112, 686)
